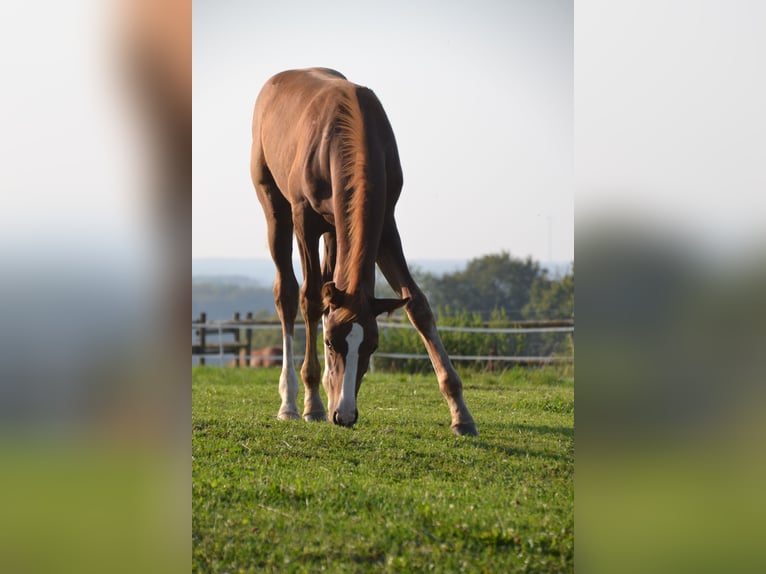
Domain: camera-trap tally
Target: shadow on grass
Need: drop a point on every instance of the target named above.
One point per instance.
(500, 438)
(566, 432)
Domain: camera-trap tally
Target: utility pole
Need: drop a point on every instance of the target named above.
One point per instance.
(550, 239)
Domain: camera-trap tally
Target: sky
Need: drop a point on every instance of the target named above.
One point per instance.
(479, 95)
(670, 130)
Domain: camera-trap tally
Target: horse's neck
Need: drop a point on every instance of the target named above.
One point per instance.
(357, 250)
(355, 275)
(360, 205)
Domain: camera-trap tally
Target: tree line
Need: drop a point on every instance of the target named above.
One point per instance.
(496, 290)
(520, 289)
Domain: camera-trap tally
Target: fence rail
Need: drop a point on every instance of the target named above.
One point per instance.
(533, 327)
(240, 347)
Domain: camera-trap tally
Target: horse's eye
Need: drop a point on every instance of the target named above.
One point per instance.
(328, 344)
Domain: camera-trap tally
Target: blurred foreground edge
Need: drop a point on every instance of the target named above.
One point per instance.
(95, 397)
(670, 401)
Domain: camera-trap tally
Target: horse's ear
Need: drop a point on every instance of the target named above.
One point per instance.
(387, 305)
(332, 297)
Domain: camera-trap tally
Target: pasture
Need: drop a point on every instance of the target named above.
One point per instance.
(398, 492)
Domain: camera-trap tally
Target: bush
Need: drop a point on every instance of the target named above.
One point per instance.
(457, 343)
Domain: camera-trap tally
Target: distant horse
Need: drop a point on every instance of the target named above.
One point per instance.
(325, 164)
(266, 357)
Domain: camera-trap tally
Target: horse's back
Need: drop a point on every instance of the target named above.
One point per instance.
(316, 73)
(304, 120)
(294, 116)
(296, 88)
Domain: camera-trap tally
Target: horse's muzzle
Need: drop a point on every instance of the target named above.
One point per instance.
(345, 421)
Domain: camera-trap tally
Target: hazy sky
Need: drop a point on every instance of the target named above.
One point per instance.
(479, 94)
(670, 117)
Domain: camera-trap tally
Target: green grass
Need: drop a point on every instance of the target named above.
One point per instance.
(398, 492)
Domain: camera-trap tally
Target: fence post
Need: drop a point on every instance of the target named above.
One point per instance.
(248, 340)
(201, 335)
(238, 359)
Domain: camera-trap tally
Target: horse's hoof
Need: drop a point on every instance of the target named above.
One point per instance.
(465, 429)
(315, 417)
(288, 416)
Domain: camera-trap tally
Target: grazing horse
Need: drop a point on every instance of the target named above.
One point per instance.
(325, 164)
(266, 357)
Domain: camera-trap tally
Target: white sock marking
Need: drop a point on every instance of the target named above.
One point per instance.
(288, 381)
(348, 394)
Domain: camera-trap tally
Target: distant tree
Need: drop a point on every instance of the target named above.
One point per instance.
(551, 299)
(497, 281)
(494, 290)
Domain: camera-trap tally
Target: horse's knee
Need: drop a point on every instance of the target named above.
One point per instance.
(420, 312)
(286, 296)
(311, 373)
(311, 306)
(450, 385)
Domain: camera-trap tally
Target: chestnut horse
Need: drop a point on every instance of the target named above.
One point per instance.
(325, 164)
(266, 357)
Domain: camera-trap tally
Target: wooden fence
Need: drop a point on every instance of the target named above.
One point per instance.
(242, 346)
(238, 345)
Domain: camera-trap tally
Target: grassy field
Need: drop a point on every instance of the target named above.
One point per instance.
(398, 492)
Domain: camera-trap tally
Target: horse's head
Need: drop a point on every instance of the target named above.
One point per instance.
(350, 339)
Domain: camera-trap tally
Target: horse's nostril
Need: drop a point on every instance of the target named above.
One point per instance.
(337, 421)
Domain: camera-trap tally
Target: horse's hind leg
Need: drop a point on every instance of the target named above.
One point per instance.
(328, 269)
(394, 266)
(280, 236)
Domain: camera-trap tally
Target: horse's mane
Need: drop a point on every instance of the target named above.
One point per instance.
(350, 123)
(353, 160)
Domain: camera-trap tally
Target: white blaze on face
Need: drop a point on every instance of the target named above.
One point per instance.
(347, 403)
